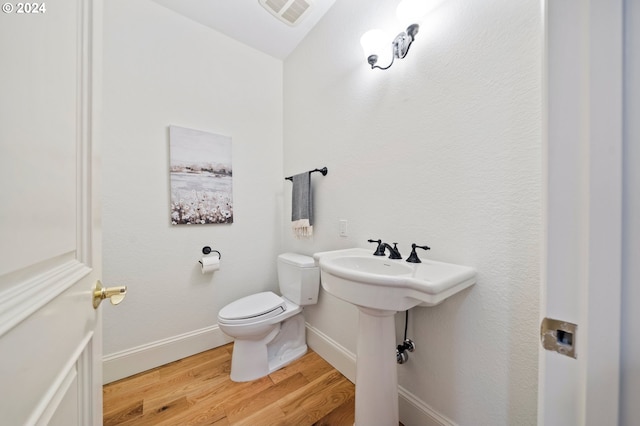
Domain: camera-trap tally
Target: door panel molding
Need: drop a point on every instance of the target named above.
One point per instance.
(46, 131)
(69, 376)
(26, 287)
(26, 297)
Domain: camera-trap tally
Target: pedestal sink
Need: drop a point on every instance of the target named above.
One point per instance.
(379, 287)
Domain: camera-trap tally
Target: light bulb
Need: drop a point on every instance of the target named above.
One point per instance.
(375, 42)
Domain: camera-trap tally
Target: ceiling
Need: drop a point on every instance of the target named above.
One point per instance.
(250, 23)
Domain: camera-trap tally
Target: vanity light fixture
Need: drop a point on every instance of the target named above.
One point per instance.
(399, 46)
(374, 41)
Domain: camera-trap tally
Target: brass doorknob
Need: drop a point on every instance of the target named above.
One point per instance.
(114, 294)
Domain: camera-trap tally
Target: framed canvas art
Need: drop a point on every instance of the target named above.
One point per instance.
(201, 177)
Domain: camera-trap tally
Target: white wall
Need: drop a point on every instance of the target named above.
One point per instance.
(442, 149)
(630, 362)
(162, 69)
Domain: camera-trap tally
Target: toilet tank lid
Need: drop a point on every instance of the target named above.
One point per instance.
(297, 259)
(254, 305)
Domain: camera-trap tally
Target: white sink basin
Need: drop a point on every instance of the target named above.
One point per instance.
(377, 282)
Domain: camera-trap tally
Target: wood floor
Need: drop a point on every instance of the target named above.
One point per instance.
(197, 391)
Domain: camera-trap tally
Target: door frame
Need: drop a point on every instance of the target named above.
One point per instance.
(582, 208)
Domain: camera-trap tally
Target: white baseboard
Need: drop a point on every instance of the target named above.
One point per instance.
(145, 357)
(338, 356)
(413, 411)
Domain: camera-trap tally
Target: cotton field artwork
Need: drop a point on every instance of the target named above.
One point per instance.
(201, 177)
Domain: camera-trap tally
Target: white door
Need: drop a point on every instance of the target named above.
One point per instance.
(582, 252)
(50, 334)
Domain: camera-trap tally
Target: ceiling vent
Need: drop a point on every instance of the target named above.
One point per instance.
(288, 11)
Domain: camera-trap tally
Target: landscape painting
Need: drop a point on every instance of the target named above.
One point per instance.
(201, 177)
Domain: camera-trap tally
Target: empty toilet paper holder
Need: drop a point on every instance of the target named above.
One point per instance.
(208, 250)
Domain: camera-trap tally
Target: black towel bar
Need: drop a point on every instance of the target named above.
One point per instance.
(322, 170)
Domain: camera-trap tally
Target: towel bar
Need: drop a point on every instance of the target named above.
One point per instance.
(322, 170)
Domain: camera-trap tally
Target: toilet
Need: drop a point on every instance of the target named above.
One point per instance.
(268, 329)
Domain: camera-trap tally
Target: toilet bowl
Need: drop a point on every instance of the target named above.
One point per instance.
(269, 330)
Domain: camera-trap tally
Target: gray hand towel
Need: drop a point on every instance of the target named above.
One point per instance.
(301, 206)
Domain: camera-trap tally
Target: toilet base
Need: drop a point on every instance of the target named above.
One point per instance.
(253, 359)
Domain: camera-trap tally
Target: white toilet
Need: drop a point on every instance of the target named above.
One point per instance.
(269, 330)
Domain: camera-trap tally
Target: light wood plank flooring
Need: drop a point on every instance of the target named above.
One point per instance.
(197, 391)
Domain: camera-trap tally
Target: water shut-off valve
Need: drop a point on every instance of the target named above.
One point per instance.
(401, 355)
(407, 345)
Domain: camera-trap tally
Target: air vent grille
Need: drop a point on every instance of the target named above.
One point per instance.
(288, 11)
(276, 5)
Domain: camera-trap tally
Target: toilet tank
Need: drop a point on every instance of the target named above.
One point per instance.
(299, 278)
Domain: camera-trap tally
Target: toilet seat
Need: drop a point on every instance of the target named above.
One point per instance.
(253, 308)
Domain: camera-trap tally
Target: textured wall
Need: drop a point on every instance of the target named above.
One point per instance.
(630, 377)
(442, 149)
(162, 69)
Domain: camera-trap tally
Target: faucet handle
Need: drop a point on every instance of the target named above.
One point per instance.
(380, 249)
(413, 257)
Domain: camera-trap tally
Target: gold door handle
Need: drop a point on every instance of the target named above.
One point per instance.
(114, 294)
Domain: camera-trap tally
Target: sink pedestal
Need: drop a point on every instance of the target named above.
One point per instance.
(376, 373)
(380, 287)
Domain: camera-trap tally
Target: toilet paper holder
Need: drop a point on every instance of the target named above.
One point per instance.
(208, 250)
